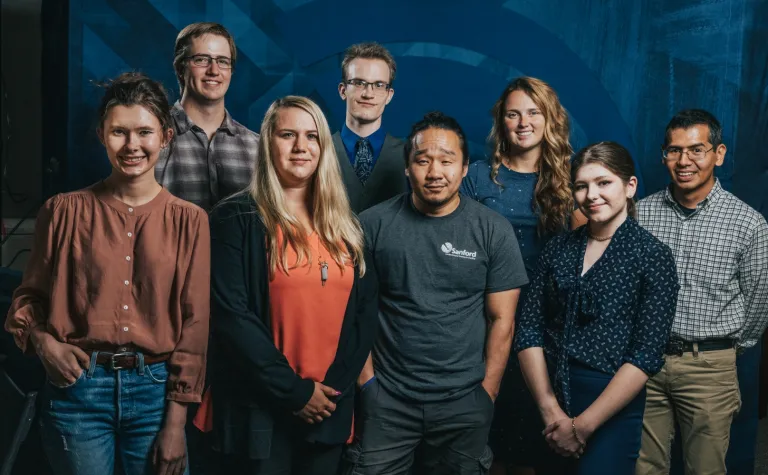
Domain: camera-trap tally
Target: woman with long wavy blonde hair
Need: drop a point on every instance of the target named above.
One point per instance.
(295, 311)
(527, 180)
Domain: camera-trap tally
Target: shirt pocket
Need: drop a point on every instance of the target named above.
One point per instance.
(704, 270)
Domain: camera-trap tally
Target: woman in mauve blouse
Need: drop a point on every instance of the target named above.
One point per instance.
(115, 302)
(596, 322)
(294, 305)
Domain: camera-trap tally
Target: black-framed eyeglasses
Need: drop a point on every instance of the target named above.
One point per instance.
(204, 60)
(378, 87)
(674, 154)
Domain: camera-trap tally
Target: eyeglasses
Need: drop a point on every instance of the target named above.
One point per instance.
(204, 60)
(378, 87)
(673, 154)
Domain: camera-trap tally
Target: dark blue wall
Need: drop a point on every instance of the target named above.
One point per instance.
(622, 68)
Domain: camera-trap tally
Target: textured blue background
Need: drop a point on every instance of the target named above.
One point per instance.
(622, 68)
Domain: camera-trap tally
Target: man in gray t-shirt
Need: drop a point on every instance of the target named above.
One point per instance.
(449, 271)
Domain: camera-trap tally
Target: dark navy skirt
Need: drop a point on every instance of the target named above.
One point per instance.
(613, 449)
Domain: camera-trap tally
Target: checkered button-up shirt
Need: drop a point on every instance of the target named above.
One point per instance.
(202, 171)
(721, 252)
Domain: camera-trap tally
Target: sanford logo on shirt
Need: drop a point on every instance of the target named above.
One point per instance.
(449, 250)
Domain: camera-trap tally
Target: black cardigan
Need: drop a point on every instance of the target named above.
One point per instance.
(253, 385)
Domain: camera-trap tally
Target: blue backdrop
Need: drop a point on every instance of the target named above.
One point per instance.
(622, 68)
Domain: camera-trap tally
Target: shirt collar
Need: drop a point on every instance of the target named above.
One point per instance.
(350, 139)
(184, 123)
(716, 191)
(627, 226)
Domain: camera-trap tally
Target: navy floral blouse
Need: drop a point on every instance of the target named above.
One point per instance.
(619, 312)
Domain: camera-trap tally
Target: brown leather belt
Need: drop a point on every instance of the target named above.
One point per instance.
(128, 360)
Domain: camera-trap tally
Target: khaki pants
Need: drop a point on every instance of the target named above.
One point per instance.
(700, 391)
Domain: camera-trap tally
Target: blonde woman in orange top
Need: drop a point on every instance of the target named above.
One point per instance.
(294, 304)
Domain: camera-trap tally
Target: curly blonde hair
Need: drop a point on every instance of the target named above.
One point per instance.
(552, 197)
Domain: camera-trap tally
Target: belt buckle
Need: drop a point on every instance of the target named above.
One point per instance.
(112, 365)
(675, 347)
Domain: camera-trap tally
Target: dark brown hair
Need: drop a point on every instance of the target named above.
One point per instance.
(368, 51)
(614, 158)
(552, 197)
(136, 89)
(184, 43)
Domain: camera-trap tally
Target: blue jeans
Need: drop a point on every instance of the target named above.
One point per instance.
(103, 417)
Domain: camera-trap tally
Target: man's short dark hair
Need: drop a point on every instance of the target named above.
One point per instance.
(691, 117)
(437, 120)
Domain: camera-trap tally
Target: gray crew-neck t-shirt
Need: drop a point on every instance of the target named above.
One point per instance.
(434, 274)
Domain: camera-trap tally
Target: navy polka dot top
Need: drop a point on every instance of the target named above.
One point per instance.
(620, 311)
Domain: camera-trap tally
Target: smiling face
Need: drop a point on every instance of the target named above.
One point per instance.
(295, 147)
(689, 176)
(435, 169)
(133, 138)
(601, 195)
(366, 105)
(207, 84)
(524, 122)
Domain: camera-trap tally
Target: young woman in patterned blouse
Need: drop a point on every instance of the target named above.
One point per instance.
(294, 310)
(596, 322)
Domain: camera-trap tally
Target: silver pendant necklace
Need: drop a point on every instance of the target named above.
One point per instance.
(323, 264)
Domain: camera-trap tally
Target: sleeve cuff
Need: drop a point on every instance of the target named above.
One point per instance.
(746, 343)
(518, 347)
(301, 395)
(524, 340)
(644, 366)
(183, 397)
(21, 337)
(507, 286)
(180, 391)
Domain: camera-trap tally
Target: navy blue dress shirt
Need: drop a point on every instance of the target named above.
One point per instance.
(620, 311)
(350, 139)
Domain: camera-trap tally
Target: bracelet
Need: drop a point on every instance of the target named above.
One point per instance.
(576, 434)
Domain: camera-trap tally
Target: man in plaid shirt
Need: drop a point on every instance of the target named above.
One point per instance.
(720, 246)
(212, 155)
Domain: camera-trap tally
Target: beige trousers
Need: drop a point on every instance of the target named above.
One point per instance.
(699, 391)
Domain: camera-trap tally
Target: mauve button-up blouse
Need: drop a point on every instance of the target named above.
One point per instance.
(103, 275)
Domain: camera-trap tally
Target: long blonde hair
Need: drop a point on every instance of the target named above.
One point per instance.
(332, 218)
(552, 195)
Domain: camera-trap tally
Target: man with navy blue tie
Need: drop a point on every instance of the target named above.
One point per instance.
(372, 161)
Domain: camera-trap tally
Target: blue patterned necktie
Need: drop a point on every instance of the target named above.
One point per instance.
(363, 160)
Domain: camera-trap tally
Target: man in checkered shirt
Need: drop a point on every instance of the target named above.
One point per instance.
(213, 155)
(720, 246)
